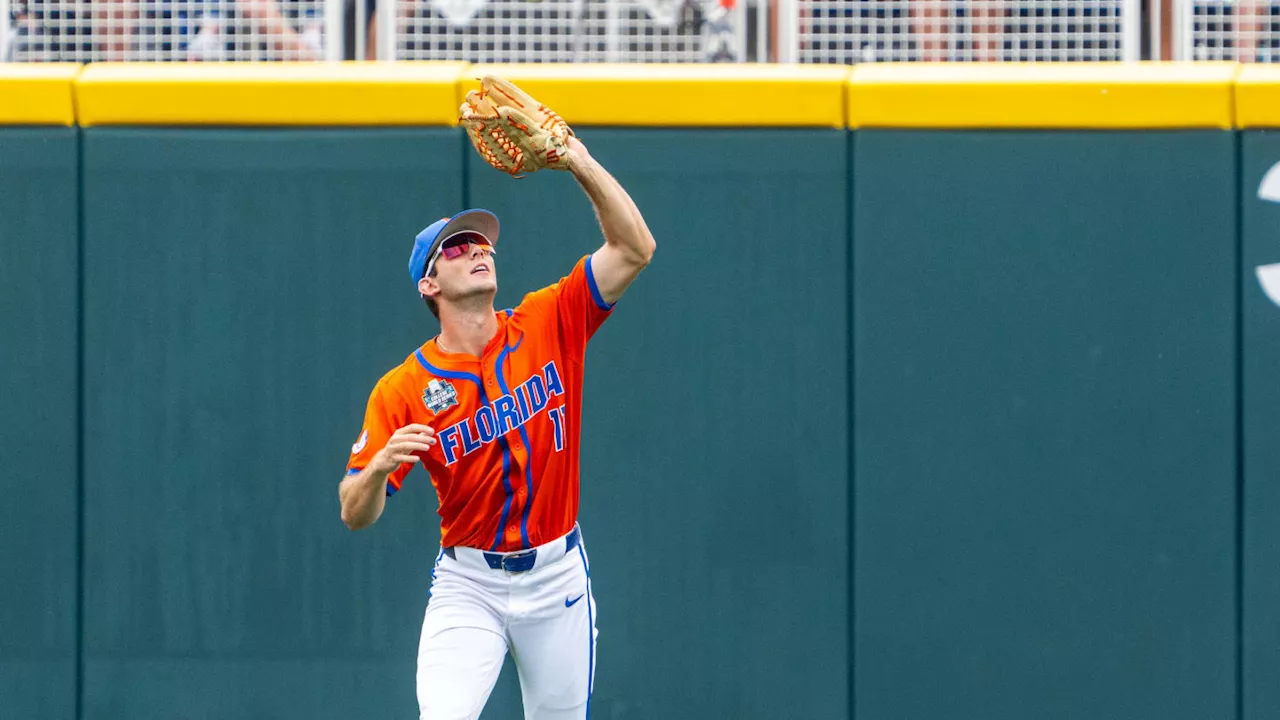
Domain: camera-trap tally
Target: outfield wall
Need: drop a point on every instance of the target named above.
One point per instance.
(946, 395)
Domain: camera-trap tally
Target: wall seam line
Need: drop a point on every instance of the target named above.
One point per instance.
(1238, 390)
(80, 424)
(850, 158)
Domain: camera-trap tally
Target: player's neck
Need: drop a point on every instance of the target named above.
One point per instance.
(466, 331)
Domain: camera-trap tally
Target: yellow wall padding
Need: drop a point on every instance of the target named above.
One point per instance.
(713, 95)
(37, 94)
(1258, 97)
(256, 94)
(1067, 95)
(934, 95)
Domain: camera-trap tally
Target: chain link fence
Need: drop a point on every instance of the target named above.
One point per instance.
(164, 30)
(628, 31)
(1239, 30)
(472, 30)
(853, 31)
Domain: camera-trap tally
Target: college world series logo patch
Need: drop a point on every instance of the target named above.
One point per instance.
(438, 395)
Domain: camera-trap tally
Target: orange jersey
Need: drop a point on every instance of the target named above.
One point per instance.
(505, 467)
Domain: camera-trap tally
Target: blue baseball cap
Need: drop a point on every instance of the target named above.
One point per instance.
(427, 244)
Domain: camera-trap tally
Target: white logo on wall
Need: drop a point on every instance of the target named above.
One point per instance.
(1269, 275)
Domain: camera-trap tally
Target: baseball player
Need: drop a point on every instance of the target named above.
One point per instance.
(492, 407)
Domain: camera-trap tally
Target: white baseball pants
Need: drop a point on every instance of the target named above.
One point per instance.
(544, 616)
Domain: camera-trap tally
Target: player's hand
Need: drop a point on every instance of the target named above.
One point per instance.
(400, 449)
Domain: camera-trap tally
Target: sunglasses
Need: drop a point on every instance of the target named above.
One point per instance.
(455, 246)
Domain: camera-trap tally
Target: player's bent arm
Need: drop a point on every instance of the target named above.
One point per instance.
(628, 244)
(364, 495)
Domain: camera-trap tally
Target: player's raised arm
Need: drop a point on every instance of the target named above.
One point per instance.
(628, 244)
(516, 134)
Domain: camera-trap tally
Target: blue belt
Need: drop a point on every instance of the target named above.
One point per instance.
(523, 561)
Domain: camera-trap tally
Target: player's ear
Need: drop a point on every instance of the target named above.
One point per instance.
(428, 286)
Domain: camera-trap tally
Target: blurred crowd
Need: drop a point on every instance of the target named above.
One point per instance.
(166, 29)
(985, 30)
(830, 30)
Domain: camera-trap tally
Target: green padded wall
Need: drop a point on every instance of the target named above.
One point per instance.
(1045, 463)
(1044, 437)
(245, 289)
(40, 276)
(1260, 150)
(715, 430)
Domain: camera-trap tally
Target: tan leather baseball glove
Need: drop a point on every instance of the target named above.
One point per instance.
(513, 132)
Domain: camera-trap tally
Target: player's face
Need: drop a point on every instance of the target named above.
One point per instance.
(465, 269)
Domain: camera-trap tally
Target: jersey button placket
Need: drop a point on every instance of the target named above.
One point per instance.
(492, 393)
(519, 461)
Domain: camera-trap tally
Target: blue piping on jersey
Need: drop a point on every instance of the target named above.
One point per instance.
(451, 374)
(524, 435)
(391, 490)
(502, 442)
(506, 485)
(595, 290)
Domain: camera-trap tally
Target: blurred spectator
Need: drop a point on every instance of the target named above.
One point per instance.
(928, 24)
(1248, 27)
(939, 31)
(720, 35)
(265, 16)
(987, 43)
(67, 30)
(49, 31)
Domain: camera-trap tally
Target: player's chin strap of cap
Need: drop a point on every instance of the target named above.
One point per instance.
(522, 561)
